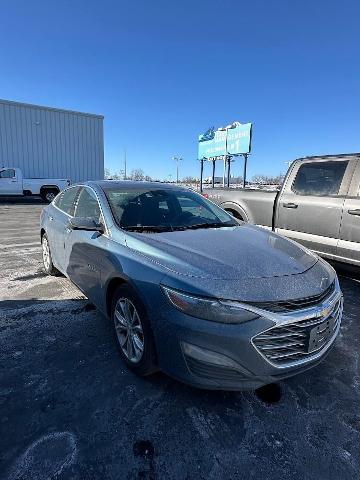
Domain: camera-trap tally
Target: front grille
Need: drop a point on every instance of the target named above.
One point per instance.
(291, 342)
(297, 304)
(213, 372)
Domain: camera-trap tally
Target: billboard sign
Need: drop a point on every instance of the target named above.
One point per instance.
(212, 144)
(239, 139)
(231, 140)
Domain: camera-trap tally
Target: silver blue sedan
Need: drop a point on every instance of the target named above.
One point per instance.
(190, 290)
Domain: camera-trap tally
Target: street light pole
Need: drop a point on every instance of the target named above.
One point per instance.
(125, 164)
(177, 160)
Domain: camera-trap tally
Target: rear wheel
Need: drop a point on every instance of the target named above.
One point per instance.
(133, 332)
(46, 254)
(49, 194)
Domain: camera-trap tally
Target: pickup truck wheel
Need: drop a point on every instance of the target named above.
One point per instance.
(49, 194)
(133, 331)
(234, 214)
(47, 260)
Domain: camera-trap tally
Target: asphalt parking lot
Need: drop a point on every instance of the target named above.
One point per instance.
(71, 410)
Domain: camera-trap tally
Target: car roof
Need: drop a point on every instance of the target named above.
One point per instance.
(332, 157)
(131, 184)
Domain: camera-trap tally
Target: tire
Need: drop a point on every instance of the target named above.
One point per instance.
(48, 195)
(235, 214)
(46, 254)
(133, 332)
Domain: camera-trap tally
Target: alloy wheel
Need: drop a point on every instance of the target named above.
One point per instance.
(129, 330)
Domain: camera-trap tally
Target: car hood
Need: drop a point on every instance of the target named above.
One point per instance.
(231, 253)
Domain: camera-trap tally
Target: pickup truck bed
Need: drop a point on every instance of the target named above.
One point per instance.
(256, 206)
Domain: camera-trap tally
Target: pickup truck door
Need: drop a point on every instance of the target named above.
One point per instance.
(310, 205)
(349, 242)
(10, 184)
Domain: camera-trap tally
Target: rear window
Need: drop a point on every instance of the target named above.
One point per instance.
(320, 178)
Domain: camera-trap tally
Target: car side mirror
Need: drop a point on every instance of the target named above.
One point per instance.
(86, 223)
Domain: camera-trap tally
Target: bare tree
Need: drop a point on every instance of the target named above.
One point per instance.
(107, 173)
(268, 179)
(137, 174)
(189, 180)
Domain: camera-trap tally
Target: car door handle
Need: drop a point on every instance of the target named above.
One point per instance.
(355, 212)
(51, 218)
(290, 205)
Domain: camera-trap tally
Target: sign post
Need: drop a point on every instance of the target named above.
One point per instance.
(245, 166)
(201, 174)
(223, 144)
(213, 174)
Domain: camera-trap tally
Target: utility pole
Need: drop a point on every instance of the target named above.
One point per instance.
(177, 160)
(125, 164)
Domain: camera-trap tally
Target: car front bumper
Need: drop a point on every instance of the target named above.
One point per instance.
(213, 355)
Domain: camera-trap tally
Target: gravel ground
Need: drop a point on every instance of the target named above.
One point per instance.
(69, 409)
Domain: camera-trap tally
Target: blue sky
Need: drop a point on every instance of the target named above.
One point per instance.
(163, 71)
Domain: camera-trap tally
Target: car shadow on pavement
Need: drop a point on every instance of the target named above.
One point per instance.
(22, 200)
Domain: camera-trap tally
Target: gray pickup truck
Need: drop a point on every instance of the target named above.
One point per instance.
(318, 205)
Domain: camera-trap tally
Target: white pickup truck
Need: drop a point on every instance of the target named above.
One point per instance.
(13, 183)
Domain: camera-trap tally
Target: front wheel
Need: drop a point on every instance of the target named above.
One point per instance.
(133, 332)
(47, 259)
(235, 214)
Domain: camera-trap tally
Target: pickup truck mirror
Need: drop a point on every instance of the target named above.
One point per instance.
(85, 223)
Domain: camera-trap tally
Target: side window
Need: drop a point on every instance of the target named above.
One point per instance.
(88, 205)
(319, 178)
(66, 200)
(9, 173)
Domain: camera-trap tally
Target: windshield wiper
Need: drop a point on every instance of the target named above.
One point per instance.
(209, 225)
(147, 228)
(171, 228)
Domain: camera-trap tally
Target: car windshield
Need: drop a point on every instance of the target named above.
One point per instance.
(164, 209)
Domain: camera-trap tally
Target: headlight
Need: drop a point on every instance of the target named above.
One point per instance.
(223, 311)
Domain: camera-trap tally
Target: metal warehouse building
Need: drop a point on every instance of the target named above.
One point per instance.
(50, 142)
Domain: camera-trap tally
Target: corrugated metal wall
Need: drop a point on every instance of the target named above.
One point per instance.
(47, 142)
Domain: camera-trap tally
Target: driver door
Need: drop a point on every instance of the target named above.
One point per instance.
(9, 184)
